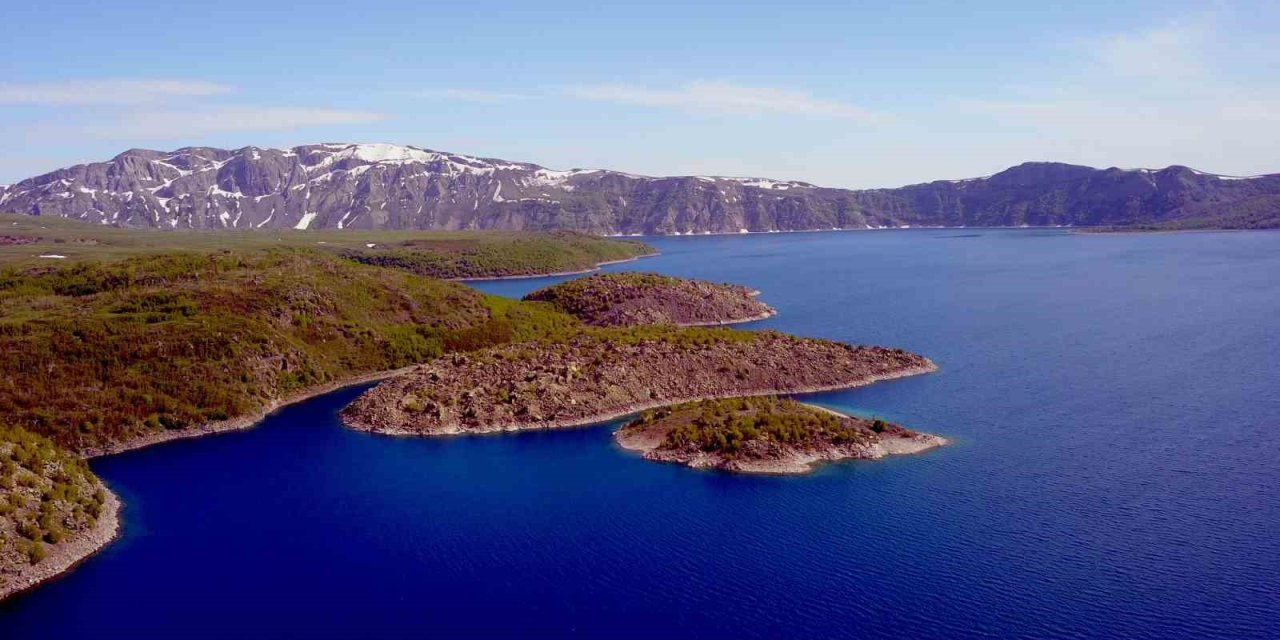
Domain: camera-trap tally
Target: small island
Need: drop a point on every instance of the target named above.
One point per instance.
(53, 511)
(596, 375)
(631, 299)
(766, 434)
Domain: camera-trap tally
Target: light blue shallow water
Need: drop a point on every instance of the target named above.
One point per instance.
(1113, 402)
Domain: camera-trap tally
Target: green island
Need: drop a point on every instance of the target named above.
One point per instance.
(629, 299)
(116, 339)
(763, 434)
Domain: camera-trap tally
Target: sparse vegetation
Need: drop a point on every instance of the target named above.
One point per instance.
(46, 496)
(97, 353)
(590, 374)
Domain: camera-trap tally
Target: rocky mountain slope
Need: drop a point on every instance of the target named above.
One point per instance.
(364, 186)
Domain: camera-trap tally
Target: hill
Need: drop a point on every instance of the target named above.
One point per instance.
(136, 336)
(631, 299)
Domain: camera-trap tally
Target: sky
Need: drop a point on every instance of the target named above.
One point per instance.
(842, 94)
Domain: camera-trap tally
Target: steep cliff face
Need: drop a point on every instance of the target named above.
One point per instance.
(365, 186)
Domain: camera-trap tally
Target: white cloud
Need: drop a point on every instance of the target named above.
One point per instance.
(1173, 50)
(186, 123)
(106, 92)
(723, 98)
(474, 95)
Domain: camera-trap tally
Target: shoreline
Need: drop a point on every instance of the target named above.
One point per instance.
(635, 408)
(1103, 231)
(721, 323)
(108, 528)
(797, 464)
(247, 421)
(65, 557)
(556, 273)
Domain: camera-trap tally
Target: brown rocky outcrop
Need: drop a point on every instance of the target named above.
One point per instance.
(601, 374)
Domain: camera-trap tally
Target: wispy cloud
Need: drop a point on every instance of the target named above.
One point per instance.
(185, 123)
(473, 95)
(723, 98)
(1147, 97)
(1172, 50)
(107, 92)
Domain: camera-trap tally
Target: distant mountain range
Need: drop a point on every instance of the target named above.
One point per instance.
(362, 186)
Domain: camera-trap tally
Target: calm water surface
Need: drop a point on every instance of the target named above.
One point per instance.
(1114, 406)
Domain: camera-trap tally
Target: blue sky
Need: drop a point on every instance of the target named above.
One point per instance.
(847, 94)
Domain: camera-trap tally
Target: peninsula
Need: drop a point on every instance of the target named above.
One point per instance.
(764, 435)
(630, 299)
(116, 339)
(596, 375)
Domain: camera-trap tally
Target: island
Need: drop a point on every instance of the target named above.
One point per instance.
(630, 299)
(764, 434)
(594, 375)
(53, 511)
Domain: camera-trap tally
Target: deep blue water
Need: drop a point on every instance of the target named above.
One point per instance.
(1113, 400)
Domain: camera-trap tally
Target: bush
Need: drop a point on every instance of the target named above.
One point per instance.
(36, 553)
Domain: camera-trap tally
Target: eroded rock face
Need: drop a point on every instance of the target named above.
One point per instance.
(601, 374)
(365, 186)
(634, 299)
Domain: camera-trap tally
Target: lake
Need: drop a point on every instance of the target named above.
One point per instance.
(1116, 423)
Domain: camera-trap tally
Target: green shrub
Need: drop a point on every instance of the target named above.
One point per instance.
(36, 553)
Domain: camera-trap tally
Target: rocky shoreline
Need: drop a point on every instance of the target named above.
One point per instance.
(724, 323)
(794, 464)
(514, 388)
(65, 556)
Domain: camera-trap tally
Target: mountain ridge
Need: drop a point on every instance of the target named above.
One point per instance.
(340, 185)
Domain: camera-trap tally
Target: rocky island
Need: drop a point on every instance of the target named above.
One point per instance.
(595, 375)
(764, 435)
(630, 299)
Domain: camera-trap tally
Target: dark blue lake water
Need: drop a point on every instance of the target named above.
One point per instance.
(1115, 406)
